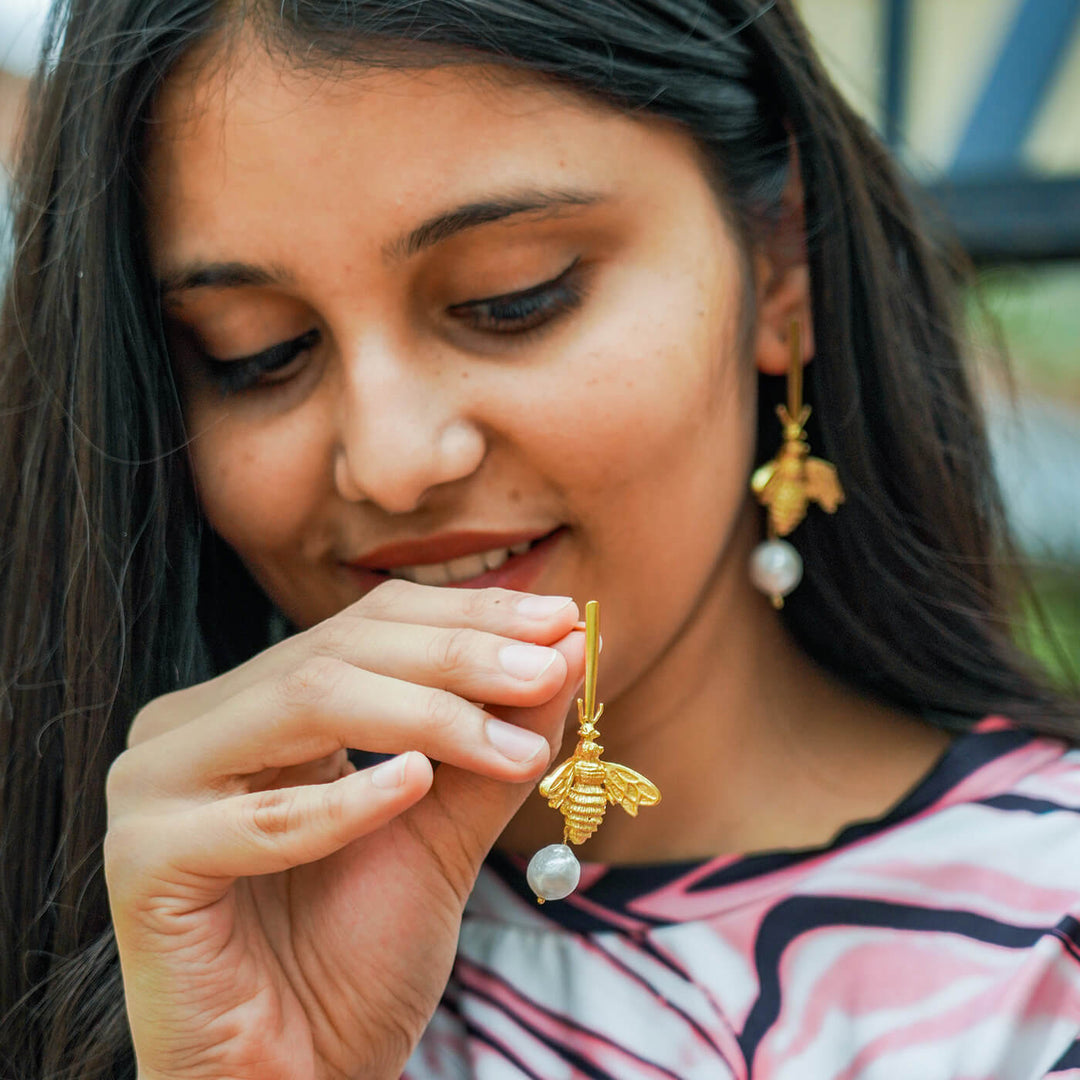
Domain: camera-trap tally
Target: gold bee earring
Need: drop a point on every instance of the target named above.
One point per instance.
(785, 486)
(582, 786)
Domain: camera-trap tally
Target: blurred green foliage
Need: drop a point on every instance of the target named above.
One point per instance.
(1036, 308)
(1051, 624)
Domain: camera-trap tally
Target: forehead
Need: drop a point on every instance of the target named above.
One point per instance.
(240, 139)
(244, 82)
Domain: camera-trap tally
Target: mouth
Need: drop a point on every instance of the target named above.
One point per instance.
(455, 571)
(474, 560)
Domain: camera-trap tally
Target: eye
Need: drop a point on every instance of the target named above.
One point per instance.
(266, 367)
(518, 312)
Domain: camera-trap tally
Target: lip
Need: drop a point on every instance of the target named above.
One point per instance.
(518, 573)
(438, 549)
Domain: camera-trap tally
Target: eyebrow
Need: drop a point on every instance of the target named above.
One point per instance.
(542, 204)
(483, 212)
(223, 275)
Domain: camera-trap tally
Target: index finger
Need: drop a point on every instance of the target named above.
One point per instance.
(527, 616)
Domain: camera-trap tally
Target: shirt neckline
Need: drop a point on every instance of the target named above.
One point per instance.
(612, 896)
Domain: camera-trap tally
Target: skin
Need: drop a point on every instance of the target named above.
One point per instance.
(12, 102)
(628, 421)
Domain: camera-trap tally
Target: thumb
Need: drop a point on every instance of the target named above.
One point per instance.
(464, 813)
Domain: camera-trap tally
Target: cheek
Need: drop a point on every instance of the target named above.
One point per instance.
(656, 404)
(654, 444)
(671, 459)
(257, 485)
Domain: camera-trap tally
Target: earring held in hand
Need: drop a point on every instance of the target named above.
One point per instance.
(786, 486)
(582, 786)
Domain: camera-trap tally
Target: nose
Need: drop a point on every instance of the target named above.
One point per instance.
(401, 434)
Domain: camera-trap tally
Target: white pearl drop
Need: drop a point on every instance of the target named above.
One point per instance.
(775, 568)
(554, 872)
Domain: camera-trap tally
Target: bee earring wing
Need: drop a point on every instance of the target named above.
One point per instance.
(762, 476)
(629, 789)
(557, 785)
(823, 485)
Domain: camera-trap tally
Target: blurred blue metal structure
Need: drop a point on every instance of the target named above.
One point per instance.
(897, 58)
(998, 206)
(1016, 88)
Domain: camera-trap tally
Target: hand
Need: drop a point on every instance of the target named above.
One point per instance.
(279, 914)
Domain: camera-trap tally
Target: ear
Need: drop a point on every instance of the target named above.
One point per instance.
(782, 283)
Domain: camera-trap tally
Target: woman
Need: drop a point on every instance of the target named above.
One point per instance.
(312, 296)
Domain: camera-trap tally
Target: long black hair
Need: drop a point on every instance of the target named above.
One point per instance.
(113, 591)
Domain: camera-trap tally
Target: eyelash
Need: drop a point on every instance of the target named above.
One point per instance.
(520, 312)
(510, 314)
(232, 376)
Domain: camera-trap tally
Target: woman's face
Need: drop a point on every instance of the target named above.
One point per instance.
(424, 318)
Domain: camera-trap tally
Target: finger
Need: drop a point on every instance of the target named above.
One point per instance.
(465, 812)
(526, 616)
(321, 771)
(522, 617)
(316, 711)
(200, 851)
(476, 664)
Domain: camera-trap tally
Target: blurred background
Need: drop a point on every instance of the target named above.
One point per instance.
(980, 101)
(21, 26)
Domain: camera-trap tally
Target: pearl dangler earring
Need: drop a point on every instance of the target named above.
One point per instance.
(582, 786)
(786, 486)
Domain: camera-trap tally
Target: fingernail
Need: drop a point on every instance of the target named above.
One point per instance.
(540, 607)
(389, 774)
(526, 661)
(513, 742)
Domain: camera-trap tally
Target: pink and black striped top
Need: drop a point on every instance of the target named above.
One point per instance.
(939, 942)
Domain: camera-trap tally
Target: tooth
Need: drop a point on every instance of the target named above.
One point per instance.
(468, 566)
(494, 559)
(461, 569)
(430, 574)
